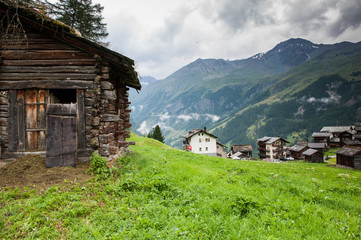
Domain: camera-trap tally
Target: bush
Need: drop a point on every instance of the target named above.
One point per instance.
(99, 166)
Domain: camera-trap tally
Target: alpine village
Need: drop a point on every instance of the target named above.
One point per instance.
(266, 147)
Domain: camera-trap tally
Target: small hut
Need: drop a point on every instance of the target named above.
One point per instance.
(349, 156)
(312, 155)
(61, 95)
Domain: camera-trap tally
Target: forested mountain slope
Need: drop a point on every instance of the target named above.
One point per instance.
(291, 90)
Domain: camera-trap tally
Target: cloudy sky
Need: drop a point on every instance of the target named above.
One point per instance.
(164, 35)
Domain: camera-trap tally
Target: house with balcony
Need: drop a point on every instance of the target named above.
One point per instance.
(271, 148)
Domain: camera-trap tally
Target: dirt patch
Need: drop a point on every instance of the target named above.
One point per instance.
(30, 171)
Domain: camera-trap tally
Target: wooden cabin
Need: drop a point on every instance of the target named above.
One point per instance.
(60, 94)
(322, 137)
(349, 156)
(245, 150)
(312, 155)
(297, 150)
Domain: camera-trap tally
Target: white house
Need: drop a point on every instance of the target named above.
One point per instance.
(201, 142)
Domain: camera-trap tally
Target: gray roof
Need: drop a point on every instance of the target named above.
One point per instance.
(309, 152)
(242, 148)
(195, 131)
(271, 139)
(349, 151)
(316, 145)
(297, 148)
(354, 142)
(336, 129)
(321, 134)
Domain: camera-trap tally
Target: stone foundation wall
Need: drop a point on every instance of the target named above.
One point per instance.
(107, 117)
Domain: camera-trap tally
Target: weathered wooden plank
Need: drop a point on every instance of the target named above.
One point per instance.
(12, 123)
(49, 69)
(59, 62)
(81, 119)
(42, 140)
(39, 45)
(21, 119)
(43, 54)
(45, 76)
(32, 141)
(64, 84)
(61, 109)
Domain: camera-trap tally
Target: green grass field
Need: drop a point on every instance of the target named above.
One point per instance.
(163, 193)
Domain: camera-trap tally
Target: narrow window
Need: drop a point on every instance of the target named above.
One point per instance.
(206, 149)
(200, 140)
(200, 149)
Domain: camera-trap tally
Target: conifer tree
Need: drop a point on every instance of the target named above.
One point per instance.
(156, 133)
(81, 15)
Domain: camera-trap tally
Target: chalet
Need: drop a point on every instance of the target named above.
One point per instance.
(336, 130)
(312, 155)
(61, 95)
(297, 150)
(322, 137)
(244, 150)
(349, 156)
(271, 147)
(201, 142)
(321, 147)
(339, 134)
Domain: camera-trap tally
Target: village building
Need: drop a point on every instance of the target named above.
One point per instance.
(271, 147)
(322, 137)
(221, 150)
(349, 156)
(321, 147)
(201, 142)
(312, 155)
(357, 133)
(61, 95)
(339, 134)
(297, 150)
(241, 151)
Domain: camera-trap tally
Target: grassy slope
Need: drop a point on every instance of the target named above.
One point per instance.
(164, 193)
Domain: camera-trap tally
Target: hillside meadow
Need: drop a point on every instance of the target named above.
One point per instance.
(157, 192)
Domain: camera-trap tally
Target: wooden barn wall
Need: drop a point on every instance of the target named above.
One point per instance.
(46, 63)
(4, 114)
(357, 161)
(43, 62)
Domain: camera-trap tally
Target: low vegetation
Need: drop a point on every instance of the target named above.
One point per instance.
(157, 192)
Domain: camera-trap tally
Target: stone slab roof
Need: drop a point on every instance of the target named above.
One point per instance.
(310, 152)
(349, 151)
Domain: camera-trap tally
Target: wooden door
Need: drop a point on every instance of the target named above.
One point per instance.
(61, 138)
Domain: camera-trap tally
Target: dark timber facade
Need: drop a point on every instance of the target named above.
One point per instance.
(54, 82)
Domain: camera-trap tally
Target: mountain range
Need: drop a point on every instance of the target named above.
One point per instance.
(290, 91)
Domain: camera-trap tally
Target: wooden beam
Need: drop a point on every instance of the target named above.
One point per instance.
(53, 84)
(12, 122)
(55, 62)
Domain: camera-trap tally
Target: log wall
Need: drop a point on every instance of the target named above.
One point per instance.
(43, 62)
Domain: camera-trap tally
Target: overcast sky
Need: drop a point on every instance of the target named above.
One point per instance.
(165, 35)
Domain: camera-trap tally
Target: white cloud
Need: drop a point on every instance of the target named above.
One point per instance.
(214, 118)
(185, 118)
(143, 129)
(162, 36)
